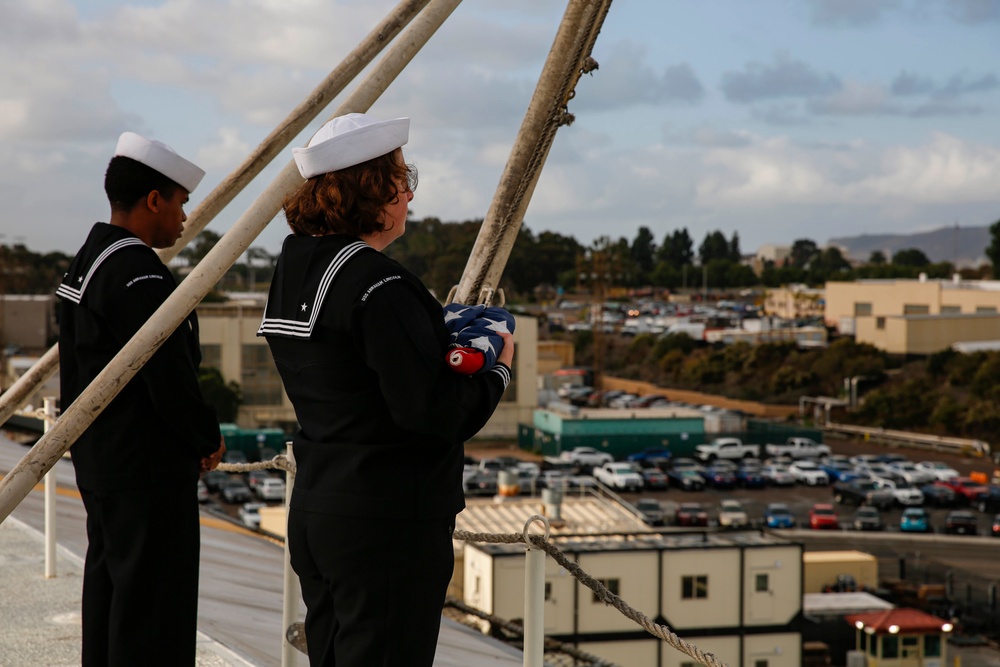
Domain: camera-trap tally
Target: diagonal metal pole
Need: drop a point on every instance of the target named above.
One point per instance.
(568, 59)
(362, 55)
(51, 446)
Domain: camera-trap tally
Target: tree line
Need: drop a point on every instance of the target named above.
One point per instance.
(437, 253)
(948, 393)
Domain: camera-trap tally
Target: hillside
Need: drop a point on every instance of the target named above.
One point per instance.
(962, 246)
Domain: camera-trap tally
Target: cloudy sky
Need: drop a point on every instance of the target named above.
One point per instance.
(775, 119)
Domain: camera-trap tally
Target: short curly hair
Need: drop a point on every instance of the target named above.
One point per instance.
(350, 200)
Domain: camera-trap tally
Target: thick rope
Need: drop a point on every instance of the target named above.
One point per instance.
(661, 631)
(281, 462)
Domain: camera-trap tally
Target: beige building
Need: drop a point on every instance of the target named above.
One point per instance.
(794, 302)
(915, 316)
(230, 343)
(733, 595)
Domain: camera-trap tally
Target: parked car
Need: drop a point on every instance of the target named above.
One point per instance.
(777, 474)
(732, 514)
(687, 479)
(822, 516)
(720, 474)
(915, 520)
(653, 478)
(271, 488)
(249, 514)
(938, 495)
(203, 496)
(867, 518)
(904, 493)
(749, 475)
(940, 470)
(586, 457)
(254, 477)
(619, 476)
(961, 522)
(652, 456)
(909, 471)
(989, 500)
(481, 483)
(798, 448)
(808, 472)
(650, 510)
(966, 489)
(777, 515)
(691, 514)
(995, 526)
(214, 479)
(863, 492)
(838, 471)
(235, 490)
(726, 448)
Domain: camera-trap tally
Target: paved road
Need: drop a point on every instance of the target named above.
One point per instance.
(241, 573)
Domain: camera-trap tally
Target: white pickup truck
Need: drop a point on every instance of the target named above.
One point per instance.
(798, 448)
(727, 449)
(619, 476)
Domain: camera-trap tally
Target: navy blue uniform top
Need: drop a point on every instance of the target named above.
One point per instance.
(360, 345)
(159, 427)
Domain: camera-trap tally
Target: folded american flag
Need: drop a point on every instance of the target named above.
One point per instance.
(475, 336)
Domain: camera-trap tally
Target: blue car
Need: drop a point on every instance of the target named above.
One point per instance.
(839, 471)
(915, 520)
(750, 476)
(777, 515)
(651, 456)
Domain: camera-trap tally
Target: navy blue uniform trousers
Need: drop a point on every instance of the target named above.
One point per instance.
(140, 581)
(373, 588)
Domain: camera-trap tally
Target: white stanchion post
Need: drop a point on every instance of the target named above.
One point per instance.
(50, 498)
(290, 597)
(534, 599)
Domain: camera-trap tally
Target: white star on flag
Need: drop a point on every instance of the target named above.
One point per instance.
(482, 343)
(451, 315)
(497, 325)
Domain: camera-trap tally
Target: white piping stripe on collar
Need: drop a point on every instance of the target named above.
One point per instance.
(300, 329)
(76, 295)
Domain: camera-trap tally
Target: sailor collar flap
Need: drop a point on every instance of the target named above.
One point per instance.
(85, 266)
(300, 285)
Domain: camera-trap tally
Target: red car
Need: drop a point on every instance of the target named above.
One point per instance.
(967, 490)
(823, 516)
(691, 514)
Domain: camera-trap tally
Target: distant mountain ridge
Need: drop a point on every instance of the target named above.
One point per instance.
(962, 246)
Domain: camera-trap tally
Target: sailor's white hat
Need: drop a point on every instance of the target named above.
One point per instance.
(349, 140)
(164, 159)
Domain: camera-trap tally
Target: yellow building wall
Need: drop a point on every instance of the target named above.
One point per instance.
(636, 573)
(821, 568)
(924, 334)
(722, 566)
(791, 303)
(783, 598)
(631, 653)
(780, 650)
(890, 297)
(725, 648)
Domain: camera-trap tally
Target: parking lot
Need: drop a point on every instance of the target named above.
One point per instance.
(799, 498)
